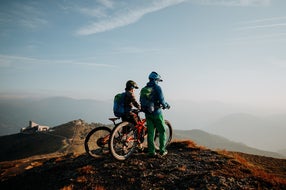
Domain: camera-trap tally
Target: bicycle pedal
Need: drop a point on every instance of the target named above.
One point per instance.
(140, 147)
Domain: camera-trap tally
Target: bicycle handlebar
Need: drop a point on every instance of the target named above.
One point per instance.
(140, 110)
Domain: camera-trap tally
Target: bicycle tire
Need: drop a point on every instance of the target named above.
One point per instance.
(169, 135)
(122, 141)
(96, 142)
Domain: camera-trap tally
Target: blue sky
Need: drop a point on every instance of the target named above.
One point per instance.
(224, 50)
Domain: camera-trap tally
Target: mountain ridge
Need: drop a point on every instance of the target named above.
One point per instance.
(210, 117)
(217, 142)
(70, 137)
(261, 132)
(186, 166)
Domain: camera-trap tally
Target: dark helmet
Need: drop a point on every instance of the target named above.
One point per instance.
(155, 76)
(131, 84)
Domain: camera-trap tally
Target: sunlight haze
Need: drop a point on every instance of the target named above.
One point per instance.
(223, 62)
(230, 51)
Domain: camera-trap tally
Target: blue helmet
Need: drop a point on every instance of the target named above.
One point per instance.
(155, 76)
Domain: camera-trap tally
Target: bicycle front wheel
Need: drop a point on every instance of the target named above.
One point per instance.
(122, 141)
(96, 142)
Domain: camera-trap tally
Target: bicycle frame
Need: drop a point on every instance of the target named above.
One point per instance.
(140, 126)
(102, 138)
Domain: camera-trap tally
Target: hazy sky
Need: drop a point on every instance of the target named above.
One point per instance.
(225, 50)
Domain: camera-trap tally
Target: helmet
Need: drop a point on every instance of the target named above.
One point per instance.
(131, 84)
(155, 76)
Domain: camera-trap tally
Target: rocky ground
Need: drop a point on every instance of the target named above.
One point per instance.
(187, 166)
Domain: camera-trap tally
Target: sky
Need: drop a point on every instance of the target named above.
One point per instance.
(205, 50)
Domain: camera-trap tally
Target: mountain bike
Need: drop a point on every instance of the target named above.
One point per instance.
(126, 137)
(96, 141)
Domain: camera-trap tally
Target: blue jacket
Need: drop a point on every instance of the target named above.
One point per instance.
(158, 97)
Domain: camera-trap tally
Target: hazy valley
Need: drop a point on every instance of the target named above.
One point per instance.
(228, 121)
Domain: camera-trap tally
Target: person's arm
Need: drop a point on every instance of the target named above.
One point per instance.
(161, 97)
(134, 102)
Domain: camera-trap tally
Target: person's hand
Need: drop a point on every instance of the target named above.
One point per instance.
(166, 106)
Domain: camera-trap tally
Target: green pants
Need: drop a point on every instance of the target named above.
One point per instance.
(156, 122)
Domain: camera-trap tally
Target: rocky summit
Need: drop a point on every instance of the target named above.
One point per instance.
(187, 166)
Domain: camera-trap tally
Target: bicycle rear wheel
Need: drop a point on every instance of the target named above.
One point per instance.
(122, 141)
(96, 142)
(169, 135)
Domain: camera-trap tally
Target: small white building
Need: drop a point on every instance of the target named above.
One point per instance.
(34, 127)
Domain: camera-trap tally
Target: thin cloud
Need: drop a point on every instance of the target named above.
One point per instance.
(273, 22)
(23, 15)
(274, 38)
(261, 30)
(10, 61)
(106, 3)
(90, 64)
(124, 16)
(260, 37)
(264, 20)
(135, 50)
(18, 61)
(262, 26)
(234, 2)
(111, 14)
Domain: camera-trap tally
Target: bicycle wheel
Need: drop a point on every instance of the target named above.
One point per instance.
(169, 134)
(96, 142)
(122, 141)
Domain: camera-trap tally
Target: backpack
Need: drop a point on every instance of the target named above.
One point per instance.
(147, 100)
(118, 104)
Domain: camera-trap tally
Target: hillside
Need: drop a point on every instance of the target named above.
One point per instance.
(15, 113)
(187, 166)
(218, 142)
(61, 139)
(252, 130)
(69, 137)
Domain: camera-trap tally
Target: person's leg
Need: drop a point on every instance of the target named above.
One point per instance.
(160, 125)
(151, 134)
(134, 118)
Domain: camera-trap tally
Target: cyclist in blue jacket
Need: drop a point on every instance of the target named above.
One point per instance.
(155, 119)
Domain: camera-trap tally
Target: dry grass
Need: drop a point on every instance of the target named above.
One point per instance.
(187, 144)
(99, 188)
(88, 169)
(256, 170)
(69, 187)
(182, 168)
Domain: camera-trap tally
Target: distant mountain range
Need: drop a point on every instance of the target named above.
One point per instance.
(62, 139)
(214, 142)
(16, 113)
(235, 123)
(69, 137)
(267, 133)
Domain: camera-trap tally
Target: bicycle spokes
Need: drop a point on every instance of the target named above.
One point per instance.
(122, 141)
(96, 142)
(103, 141)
